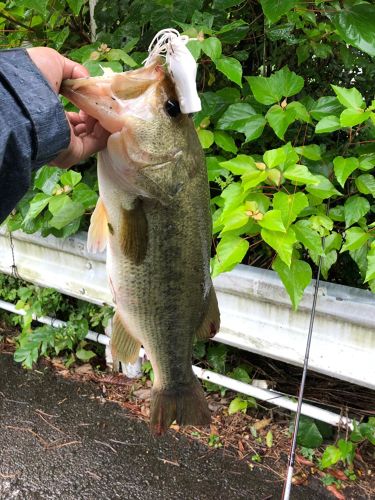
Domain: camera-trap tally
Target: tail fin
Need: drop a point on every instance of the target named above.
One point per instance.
(187, 405)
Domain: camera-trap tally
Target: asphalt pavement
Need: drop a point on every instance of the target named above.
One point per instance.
(60, 440)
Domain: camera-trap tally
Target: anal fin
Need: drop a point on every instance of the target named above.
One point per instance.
(124, 347)
(211, 321)
(98, 231)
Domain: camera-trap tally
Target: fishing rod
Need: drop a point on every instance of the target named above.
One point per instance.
(292, 453)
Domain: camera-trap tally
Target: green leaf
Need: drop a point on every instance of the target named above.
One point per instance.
(64, 211)
(330, 457)
(327, 124)
(217, 356)
(253, 127)
(300, 111)
(274, 9)
(121, 55)
(206, 138)
(337, 213)
(59, 37)
(279, 119)
(288, 82)
(308, 236)
(367, 162)
(84, 355)
(282, 243)
(37, 204)
(324, 189)
(343, 167)
(290, 205)
(85, 195)
(234, 219)
(75, 5)
(240, 374)
(233, 196)
(237, 405)
(332, 242)
(70, 178)
(300, 173)
(241, 117)
(355, 24)
(311, 152)
(274, 157)
(326, 106)
(355, 237)
(235, 116)
(225, 141)
(252, 179)
(212, 47)
(47, 178)
(195, 47)
(264, 90)
(229, 252)
(355, 207)
(231, 68)
(39, 6)
(95, 68)
(270, 90)
(366, 184)
(308, 433)
(347, 449)
(214, 169)
(273, 220)
(352, 117)
(225, 4)
(350, 98)
(240, 165)
(295, 278)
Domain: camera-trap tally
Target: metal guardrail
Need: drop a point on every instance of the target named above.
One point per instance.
(255, 309)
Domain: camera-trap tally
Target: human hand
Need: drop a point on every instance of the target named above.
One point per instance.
(87, 136)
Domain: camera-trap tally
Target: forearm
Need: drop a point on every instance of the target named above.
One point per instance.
(33, 126)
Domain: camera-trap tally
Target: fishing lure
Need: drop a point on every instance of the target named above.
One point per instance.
(169, 43)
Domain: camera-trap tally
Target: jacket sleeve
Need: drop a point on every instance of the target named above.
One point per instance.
(33, 126)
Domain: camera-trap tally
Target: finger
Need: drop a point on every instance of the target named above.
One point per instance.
(80, 129)
(72, 69)
(88, 120)
(94, 142)
(74, 118)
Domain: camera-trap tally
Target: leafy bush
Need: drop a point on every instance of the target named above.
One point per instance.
(36, 341)
(287, 122)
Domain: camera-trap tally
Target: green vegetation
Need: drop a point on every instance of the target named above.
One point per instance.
(287, 123)
(67, 341)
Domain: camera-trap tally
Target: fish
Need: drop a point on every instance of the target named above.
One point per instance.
(153, 217)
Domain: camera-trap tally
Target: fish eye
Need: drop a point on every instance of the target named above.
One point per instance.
(172, 108)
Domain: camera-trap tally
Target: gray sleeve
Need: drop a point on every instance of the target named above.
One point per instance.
(33, 126)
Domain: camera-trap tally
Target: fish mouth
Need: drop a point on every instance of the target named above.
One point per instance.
(108, 97)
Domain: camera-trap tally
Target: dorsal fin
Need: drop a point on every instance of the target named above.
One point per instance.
(98, 231)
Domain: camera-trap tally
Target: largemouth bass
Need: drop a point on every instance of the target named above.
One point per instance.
(153, 215)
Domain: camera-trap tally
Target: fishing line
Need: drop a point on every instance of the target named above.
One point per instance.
(292, 453)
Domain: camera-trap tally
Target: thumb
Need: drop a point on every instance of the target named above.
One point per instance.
(72, 69)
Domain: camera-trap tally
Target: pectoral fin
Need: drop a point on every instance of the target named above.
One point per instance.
(124, 347)
(98, 230)
(211, 322)
(134, 233)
